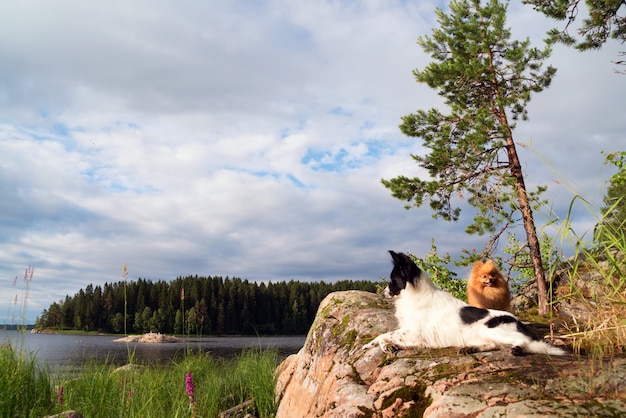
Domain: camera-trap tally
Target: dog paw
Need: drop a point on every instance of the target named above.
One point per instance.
(369, 345)
(467, 350)
(516, 350)
(389, 348)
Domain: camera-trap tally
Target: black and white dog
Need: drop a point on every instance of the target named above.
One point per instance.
(431, 318)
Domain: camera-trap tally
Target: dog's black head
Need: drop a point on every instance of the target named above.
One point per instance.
(404, 271)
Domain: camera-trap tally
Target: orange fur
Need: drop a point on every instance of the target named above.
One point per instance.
(486, 287)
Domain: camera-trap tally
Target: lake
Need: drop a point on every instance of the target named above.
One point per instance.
(68, 351)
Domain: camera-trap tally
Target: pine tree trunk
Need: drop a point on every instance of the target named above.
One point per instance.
(527, 214)
(529, 226)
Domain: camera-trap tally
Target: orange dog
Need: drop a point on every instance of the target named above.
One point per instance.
(486, 287)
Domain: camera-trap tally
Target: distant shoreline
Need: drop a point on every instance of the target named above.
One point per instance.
(14, 327)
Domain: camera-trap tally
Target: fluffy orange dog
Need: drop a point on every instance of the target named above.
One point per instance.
(486, 287)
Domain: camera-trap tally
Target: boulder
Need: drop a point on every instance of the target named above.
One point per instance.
(333, 376)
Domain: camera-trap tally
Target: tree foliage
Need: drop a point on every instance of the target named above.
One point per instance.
(206, 306)
(486, 79)
(612, 226)
(606, 20)
(437, 269)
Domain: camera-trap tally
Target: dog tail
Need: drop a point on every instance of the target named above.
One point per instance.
(541, 347)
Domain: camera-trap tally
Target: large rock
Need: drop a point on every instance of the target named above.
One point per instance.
(332, 376)
(579, 287)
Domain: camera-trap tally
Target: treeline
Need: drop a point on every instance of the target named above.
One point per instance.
(194, 306)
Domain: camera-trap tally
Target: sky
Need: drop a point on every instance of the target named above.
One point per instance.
(247, 139)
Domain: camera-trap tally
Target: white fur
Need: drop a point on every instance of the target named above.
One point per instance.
(430, 317)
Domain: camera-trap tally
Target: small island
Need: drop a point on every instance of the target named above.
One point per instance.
(150, 337)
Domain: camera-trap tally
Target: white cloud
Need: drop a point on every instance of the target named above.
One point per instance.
(243, 138)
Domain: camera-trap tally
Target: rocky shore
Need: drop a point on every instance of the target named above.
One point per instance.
(333, 376)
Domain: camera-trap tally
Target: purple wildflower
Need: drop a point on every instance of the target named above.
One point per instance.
(189, 386)
(60, 397)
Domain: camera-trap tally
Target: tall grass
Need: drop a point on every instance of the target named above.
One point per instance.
(597, 275)
(256, 372)
(101, 390)
(597, 282)
(25, 388)
(24, 385)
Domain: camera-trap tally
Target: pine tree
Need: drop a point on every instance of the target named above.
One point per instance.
(486, 79)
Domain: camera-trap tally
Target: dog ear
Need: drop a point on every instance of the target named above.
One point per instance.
(399, 258)
(490, 264)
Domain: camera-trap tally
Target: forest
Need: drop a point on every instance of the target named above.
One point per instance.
(194, 305)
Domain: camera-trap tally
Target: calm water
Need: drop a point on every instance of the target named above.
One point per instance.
(70, 351)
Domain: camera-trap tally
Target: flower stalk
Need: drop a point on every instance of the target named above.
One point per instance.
(189, 388)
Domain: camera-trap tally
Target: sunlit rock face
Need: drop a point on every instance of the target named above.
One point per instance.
(333, 376)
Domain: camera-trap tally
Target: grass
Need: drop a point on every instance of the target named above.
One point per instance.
(196, 386)
(25, 386)
(597, 285)
(102, 390)
(593, 280)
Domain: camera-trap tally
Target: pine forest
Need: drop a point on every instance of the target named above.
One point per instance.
(194, 306)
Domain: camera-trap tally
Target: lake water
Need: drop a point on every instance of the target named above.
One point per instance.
(63, 351)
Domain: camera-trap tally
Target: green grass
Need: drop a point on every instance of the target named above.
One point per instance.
(603, 331)
(102, 390)
(597, 273)
(24, 385)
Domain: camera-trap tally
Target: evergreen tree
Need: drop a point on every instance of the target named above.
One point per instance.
(67, 313)
(178, 323)
(117, 323)
(486, 80)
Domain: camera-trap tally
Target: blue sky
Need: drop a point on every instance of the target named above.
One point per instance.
(245, 139)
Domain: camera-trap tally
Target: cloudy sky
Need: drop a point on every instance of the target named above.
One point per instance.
(245, 139)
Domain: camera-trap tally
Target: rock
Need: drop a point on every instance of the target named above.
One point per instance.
(243, 410)
(332, 376)
(66, 414)
(150, 337)
(131, 367)
(579, 286)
